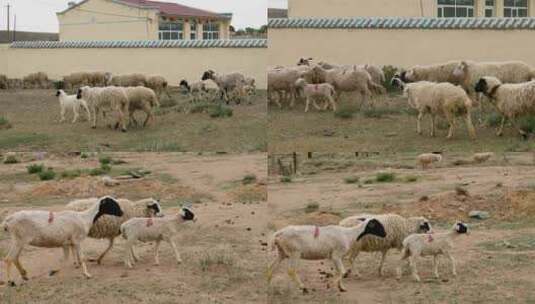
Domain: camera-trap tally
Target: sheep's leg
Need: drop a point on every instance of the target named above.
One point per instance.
(341, 271)
(62, 114)
(382, 264)
(95, 115)
(451, 122)
(110, 244)
(414, 271)
(499, 132)
(435, 266)
(452, 260)
(333, 104)
(433, 120)
(272, 266)
(87, 111)
(75, 257)
(470, 125)
(148, 111)
(177, 254)
(292, 272)
(352, 258)
(121, 119)
(419, 123)
(80, 256)
(128, 250)
(22, 271)
(75, 112)
(134, 256)
(156, 250)
(307, 103)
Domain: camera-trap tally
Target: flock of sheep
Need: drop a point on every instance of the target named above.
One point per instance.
(449, 90)
(99, 218)
(363, 233)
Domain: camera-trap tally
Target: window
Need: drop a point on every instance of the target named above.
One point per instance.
(455, 8)
(193, 30)
(171, 31)
(210, 31)
(489, 8)
(515, 8)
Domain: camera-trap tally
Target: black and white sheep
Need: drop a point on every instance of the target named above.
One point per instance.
(226, 82)
(70, 102)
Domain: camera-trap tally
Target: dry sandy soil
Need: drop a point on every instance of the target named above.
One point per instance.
(34, 119)
(390, 127)
(223, 251)
(494, 262)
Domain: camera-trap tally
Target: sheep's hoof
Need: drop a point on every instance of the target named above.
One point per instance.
(348, 272)
(25, 278)
(11, 284)
(342, 288)
(123, 130)
(305, 290)
(93, 127)
(53, 273)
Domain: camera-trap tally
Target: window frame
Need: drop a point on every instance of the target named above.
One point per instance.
(193, 29)
(515, 9)
(170, 33)
(210, 33)
(490, 8)
(470, 9)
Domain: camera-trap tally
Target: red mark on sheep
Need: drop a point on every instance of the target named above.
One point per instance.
(149, 222)
(50, 217)
(316, 232)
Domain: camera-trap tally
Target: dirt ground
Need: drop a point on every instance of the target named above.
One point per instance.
(223, 251)
(391, 127)
(494, 262)
(34, 119)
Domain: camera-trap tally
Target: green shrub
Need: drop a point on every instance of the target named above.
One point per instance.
(389, 72)
(4, 123)
(105, 160)
(59, 84)
(84, 155)
(311, 207)
(527, 124)
(385, 177)
(97, 171)
(71, 173)
(351, 179)
(286, 179)
(35, 168)
(11, 159)
(48, 174)
(346, 111)
(249, 179)
(105, 167)
(202, 107)
(411, 178)
(220, 111)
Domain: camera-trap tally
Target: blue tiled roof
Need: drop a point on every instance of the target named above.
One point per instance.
(232, 43)
(405, 23)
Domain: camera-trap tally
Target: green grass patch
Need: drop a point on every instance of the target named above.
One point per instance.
(346, 111)
(4, 123)
(48, 174)
(385, 177)
(249, 179)
(220, 111)
(35, 168)
(286, 179)
(105, 160)
(527, 124)
(69, 174)
(312, 207)
(218, 258)
(379, 112)
(11, 159)
(351, 180)
(410, 178)
(494, 120)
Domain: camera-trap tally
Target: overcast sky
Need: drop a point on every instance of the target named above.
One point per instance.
(40, 15)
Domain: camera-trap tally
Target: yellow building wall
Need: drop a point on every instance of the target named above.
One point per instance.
(174, 64)
(400, 47)
(105, 20)
(380, 8)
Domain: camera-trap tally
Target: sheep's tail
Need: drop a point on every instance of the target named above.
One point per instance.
(376, 88)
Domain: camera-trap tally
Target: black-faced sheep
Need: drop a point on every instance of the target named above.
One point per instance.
(226, 82)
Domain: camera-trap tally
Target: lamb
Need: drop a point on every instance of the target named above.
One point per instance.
(397, 229)
(417, 245)
(315, 91)
(108, 227)
(157, 229)
(319, 243)
(443, 99)
(511, 100)
(70, 102)
(159, 85)
(106, 99)
(62, 229)
(142, 99)
(225, 82)
(196, 90)
(427, 159)
(37, 80)
(482, 157)
(129, 80)
(282, 81)
(353, 79)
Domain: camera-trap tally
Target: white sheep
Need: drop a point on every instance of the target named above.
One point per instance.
(70, 102)
(319, 243)
(511, 100)
(377, 74)
(438, 99)
(441, 72)
(129, 80)
(141, 99)
(108, 227)
(316, 91)
(159, 85)
(427, 159)
(106, 99)
(397, 229)
(225, 82)
(281, 81)
(431, 244)
(50, 229)
(482, 157)
(154, 230)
